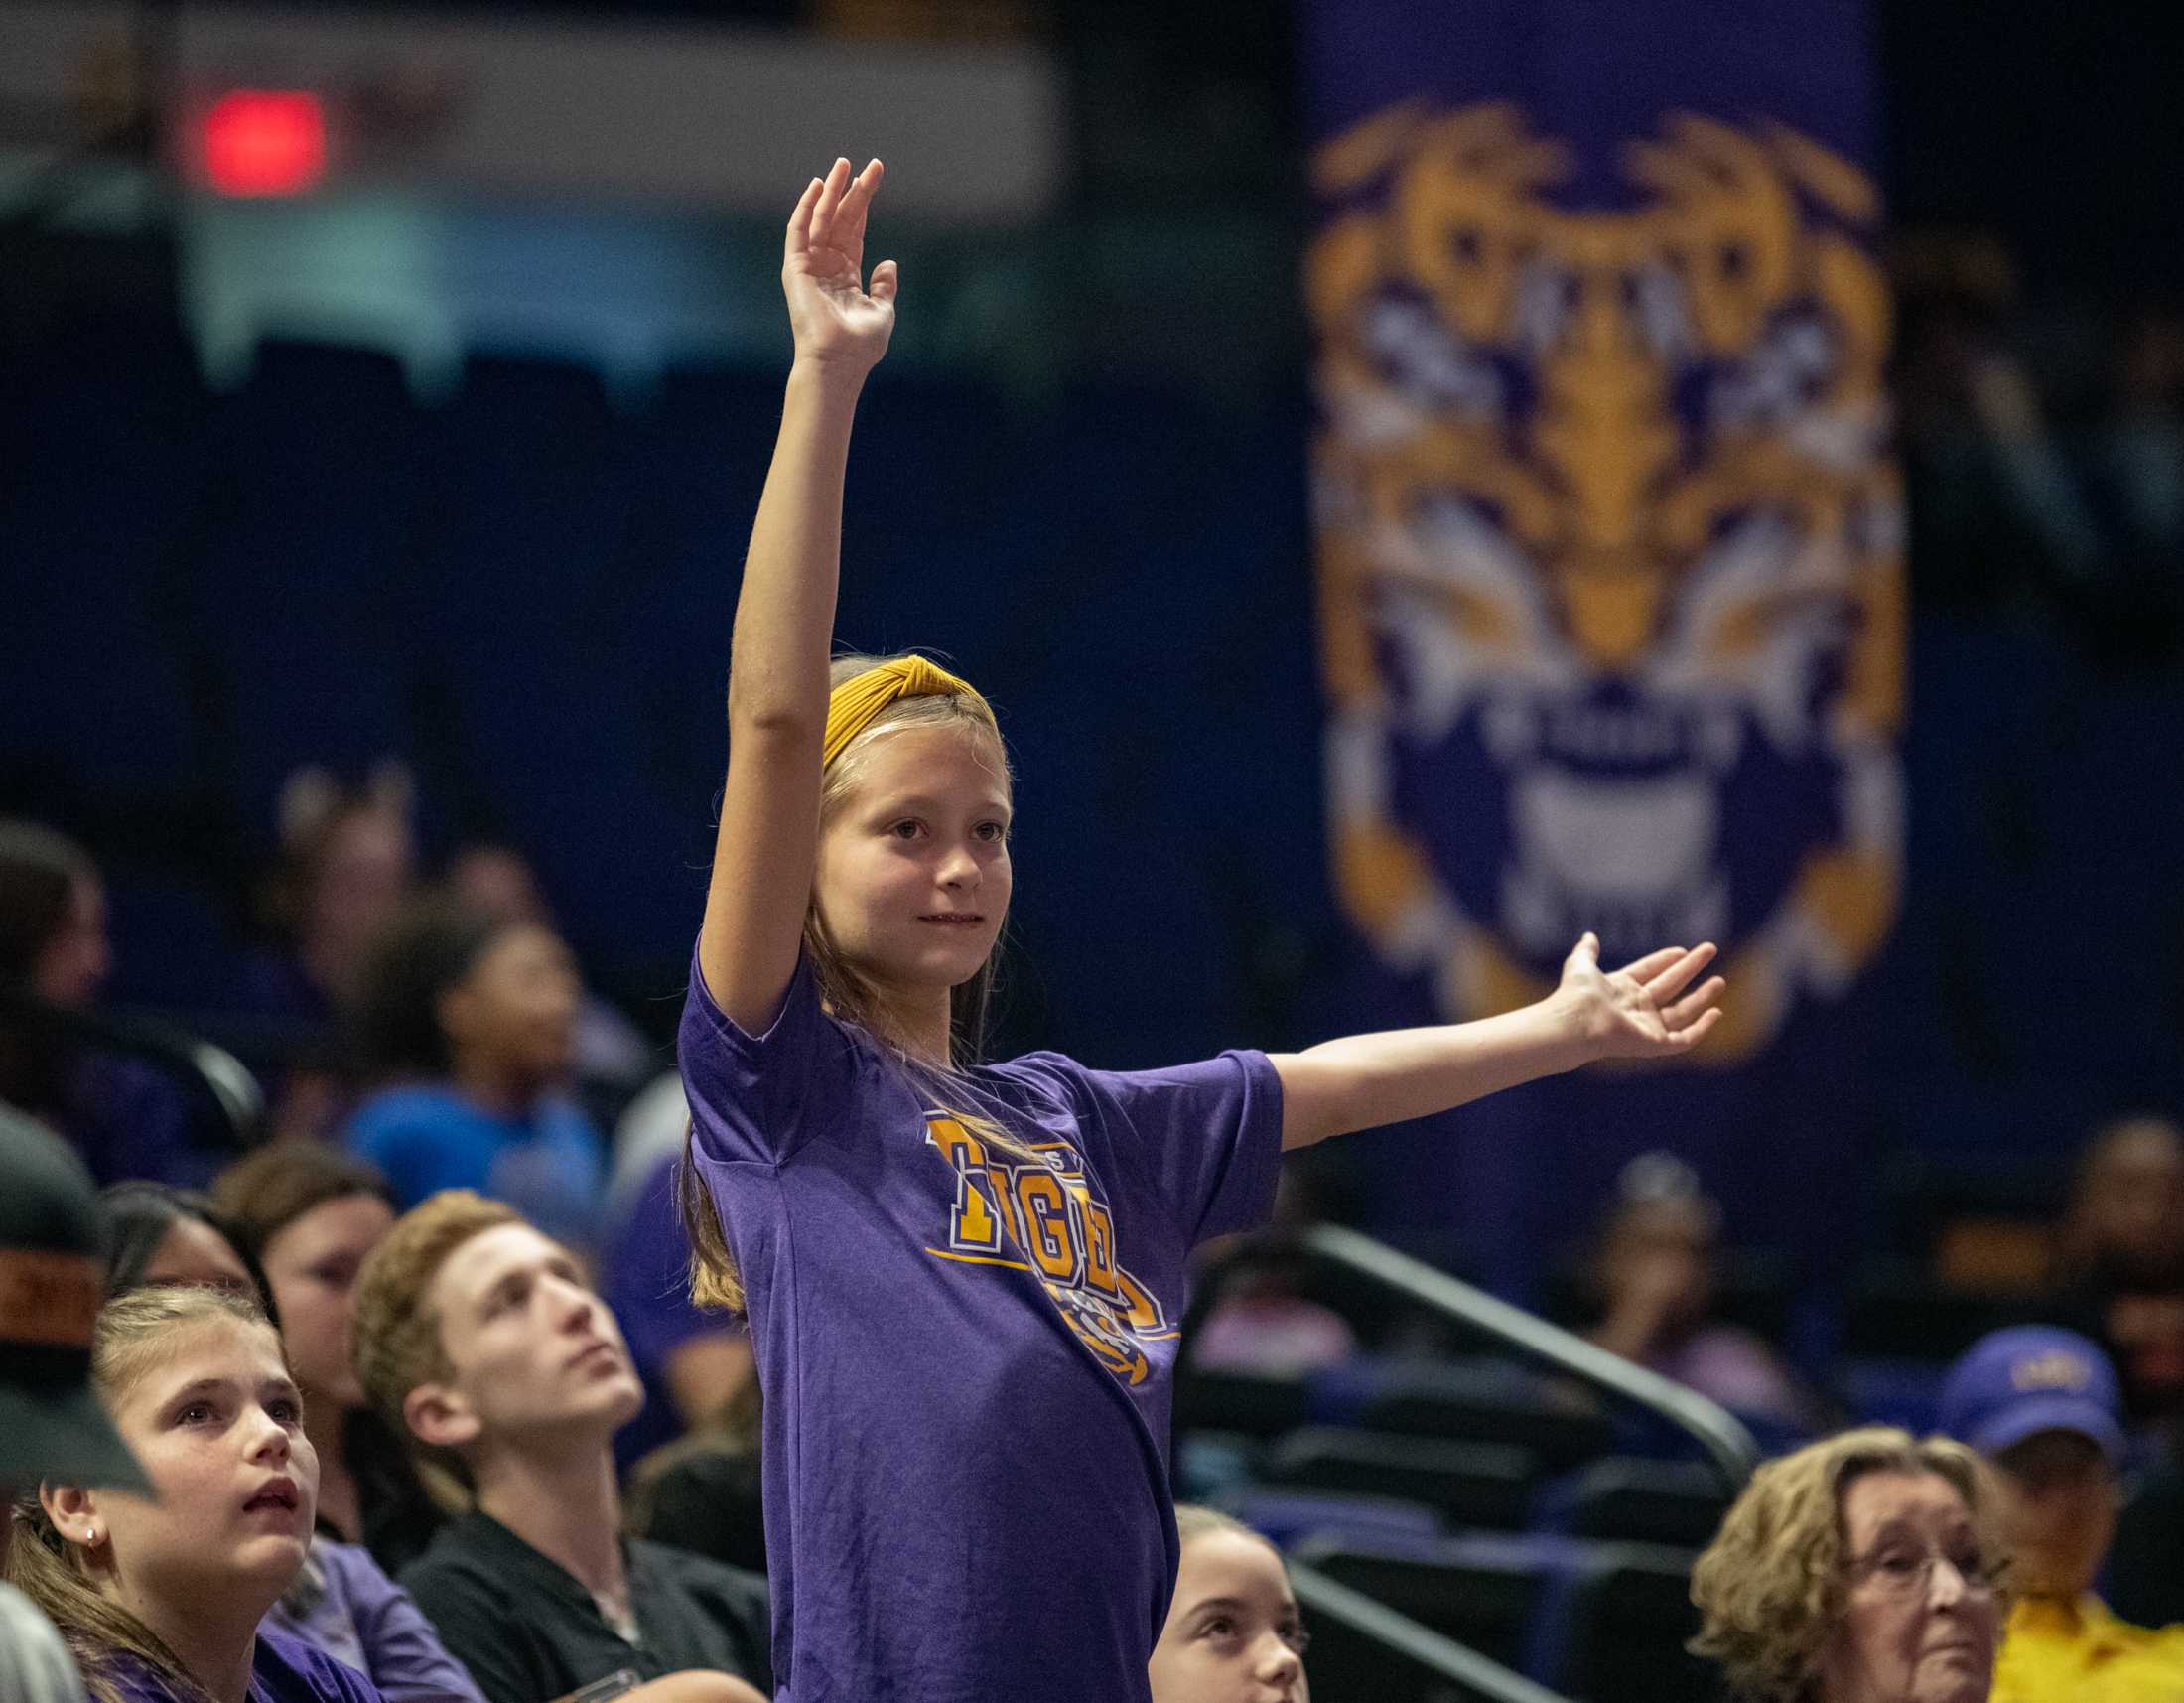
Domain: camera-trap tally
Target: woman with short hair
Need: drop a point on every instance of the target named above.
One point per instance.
(1861, 1569)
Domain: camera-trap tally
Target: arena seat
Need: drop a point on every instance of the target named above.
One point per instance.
(1486, 1485)
(1896, 1312)
(1614, 1626)
(1647, 1502)
(1344, 1665)
(1256, 1404)
(1480, 1589)
(1288, 1517)
(1485, 1402)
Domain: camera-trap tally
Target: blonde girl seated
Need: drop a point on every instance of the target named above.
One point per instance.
(160, 1600)
(1233, 1633)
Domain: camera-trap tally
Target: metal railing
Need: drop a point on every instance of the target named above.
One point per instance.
(1327, 1599)
(211, 1075)
(1727, 1443)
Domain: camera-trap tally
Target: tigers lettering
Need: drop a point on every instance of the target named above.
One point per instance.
(1044, 1217)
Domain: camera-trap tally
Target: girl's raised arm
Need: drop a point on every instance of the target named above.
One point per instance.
(784, 616)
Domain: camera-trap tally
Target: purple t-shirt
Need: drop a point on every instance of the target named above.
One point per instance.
(966, 1357)
(364, 1620)
(281, 1672)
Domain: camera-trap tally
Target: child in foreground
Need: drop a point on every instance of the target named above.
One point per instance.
(963, 1280)
(160, 1601)
(1233, 1634)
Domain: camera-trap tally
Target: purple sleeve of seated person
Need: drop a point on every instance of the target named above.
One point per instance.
(283, 1669)
(365, 1621)
(286, 1671)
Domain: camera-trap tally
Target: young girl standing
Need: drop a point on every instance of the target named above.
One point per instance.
(964, 1281)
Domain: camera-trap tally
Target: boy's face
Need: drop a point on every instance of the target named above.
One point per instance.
(2059, 1501)
(537, 1356)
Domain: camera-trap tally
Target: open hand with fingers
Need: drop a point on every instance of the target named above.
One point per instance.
(1642, 1011)
(838, 318)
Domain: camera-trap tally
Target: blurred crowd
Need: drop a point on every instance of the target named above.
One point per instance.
(437, 1293)
(2043, 451)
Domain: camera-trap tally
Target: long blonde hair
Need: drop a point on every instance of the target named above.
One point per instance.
(849, 995)
(104, 1638)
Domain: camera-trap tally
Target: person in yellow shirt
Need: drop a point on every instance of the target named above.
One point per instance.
(2043, 1406)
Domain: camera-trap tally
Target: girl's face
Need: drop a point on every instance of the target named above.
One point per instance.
(1233, 1633)
(312, 1263)
(913, 879)
(517, 1006)
(217, 1426)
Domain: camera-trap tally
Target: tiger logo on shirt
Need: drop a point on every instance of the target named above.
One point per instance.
(1044, 1216)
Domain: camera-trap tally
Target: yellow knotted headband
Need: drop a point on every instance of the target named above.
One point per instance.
(857, 702)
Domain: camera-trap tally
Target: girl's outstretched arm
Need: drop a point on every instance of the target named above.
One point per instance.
(784, 616)
(1365, 1081)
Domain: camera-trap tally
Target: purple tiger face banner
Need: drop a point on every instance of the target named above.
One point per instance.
(1609, 547)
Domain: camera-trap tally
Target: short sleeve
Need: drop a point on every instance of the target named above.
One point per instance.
(1206, 1136)
(762, 1096)
(403, 1655)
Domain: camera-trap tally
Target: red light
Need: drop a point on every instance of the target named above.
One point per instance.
(265, 142)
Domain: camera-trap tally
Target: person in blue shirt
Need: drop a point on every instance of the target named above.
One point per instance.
(465, 1021)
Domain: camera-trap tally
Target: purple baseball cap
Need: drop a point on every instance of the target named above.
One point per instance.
(2013, 1384)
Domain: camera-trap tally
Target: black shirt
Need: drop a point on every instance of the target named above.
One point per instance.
(710, 1502)
(530, 1632)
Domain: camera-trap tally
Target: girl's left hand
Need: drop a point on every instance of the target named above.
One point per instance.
(1636, 1012)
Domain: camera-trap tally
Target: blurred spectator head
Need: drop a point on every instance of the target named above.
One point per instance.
(2044, 1406)
(53, 917)
(51, 1274)
(347, 859)
(449, 989)
(1658, 1241)
(106, 1567)
(159, 1236)
(1233, 1627)
(1864, 1566)
(309, 1213)
(2126, 1222)
(499, 881)
(2150, 357)
(476, 1334)
(1954, 289)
